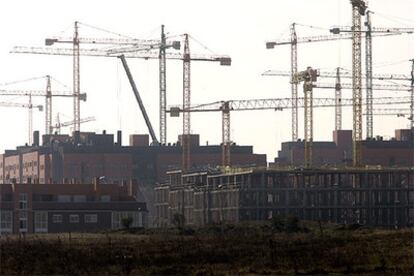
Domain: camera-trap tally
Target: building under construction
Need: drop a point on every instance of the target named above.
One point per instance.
(374, 197)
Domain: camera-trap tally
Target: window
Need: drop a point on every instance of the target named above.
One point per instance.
(105, 198)
(6, 222)
(91, 218)
(64, 198)
(269, 198)
(40, 222)
(7, 197)
(74, 218)
(23, 221)
(57, 218)
(23, 201)
(79, 198)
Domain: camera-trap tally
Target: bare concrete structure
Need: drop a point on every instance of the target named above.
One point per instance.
(376, 196)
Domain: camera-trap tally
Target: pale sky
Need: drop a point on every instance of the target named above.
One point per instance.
(238, 28)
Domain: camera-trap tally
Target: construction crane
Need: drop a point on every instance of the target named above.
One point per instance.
(76, 40)
(278, 104)
(358, 9)
(139, 100)
(48, 99)
(293, 41)
(308, 77)
(57, 127)
(30, 107)
(186, 57)
(131, 52)
(163, 46)
(163, 87)
(339, 74)
(185, 138)
(344, 74)
(368, 32)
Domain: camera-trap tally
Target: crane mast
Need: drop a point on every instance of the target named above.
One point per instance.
(48, 105)
(30, 119)
(163, 89)
(294, 84)
(226, 140)
(412, 95)
(358, 9)
(186, 105)
(338, 98)
(76, 78)
(368, 79)
(308, 77)
(307, 89)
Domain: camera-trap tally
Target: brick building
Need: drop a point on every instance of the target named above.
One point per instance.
(399, 151)
(49, 208)
(63, 159)
(85, 156)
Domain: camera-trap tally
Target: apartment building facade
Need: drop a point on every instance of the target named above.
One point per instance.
(49, 208)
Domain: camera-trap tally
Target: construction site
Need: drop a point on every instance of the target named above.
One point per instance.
(358, 177)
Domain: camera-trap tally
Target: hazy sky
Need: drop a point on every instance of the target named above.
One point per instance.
(238, 28)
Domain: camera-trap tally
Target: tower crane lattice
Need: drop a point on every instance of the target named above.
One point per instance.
(278, 104)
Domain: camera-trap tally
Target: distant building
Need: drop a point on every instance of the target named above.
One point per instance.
(399, 151)
(380, 197)
(84, 156)
(48, 208)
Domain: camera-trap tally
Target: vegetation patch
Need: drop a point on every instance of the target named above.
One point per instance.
(283, 246)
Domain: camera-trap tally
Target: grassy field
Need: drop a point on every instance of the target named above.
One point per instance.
(222, 249)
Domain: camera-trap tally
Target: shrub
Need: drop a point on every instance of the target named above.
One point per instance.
(289, 224)
(127, 222)
(292, 224)
(278, 223)
(178, 220)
